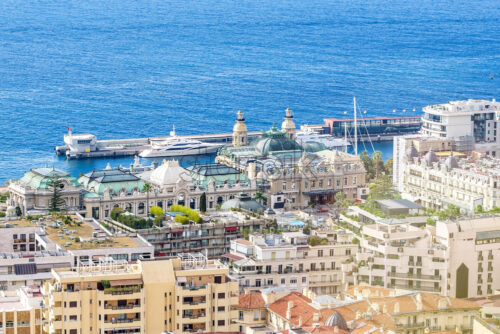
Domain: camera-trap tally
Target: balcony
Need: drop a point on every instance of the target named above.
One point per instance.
(414, 325)
(193, 316)
(122, 291)
(121, 321)
(121, 307)
(193, 288)
(414, 276)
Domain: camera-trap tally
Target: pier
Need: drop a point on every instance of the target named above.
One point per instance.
(86, 146)
(131, 146)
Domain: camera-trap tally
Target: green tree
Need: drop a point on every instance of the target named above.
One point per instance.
(203, 202)
(378, 163)
(115, 212)
(479, 209)
(315, 240)
(382, 188)
(259, 196)
(388, 166)
(451, 212)
(341, 200)
(146, 188)
(56, 202)
(367, 163)
(158, 213)
(19, 213)
(245, 233)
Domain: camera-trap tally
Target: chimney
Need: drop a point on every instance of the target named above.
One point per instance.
(396, 307)
(289, 310)
(316, 317)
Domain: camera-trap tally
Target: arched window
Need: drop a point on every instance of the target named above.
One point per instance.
(140, 208)
(220, 200)
(128, 207)
(160, 204)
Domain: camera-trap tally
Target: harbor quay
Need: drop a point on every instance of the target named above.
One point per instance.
(85, 146)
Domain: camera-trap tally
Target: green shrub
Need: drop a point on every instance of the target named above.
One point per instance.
(130, 221)
(182, 219)
(2, 214)
(191, 214)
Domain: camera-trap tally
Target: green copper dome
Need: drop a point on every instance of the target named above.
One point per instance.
(312, 146)
(40, 178)
(276, 141)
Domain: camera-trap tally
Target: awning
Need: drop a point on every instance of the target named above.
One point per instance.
(181, 279)
(232, 228)
(233, 257)
(321, 192)
(125, 282)
(175, 232)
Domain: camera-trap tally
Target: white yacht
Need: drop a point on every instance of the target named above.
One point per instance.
(177, 146)
(306, 135)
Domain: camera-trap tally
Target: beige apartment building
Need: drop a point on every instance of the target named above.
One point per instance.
(288, 261)
(459, 259)
(473, 255)
(21, 311)
(395, 254)
(184, 295)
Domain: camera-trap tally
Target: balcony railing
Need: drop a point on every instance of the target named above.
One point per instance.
(193, 316)
(121, 307)
(413, 276)
(121, 321)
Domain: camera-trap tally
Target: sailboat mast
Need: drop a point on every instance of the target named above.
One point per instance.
(355, 128)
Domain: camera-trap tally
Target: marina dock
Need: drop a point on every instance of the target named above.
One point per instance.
(86, 146)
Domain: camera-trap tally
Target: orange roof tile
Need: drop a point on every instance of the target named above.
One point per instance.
(251, 300)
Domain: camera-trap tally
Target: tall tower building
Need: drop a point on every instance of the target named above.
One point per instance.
(240, 133)
(288, 125)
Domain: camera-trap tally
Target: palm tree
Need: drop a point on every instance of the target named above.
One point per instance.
(146, 189)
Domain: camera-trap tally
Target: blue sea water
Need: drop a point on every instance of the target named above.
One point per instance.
(122, 69)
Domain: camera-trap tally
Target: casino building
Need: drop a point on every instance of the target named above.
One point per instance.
(293, 175)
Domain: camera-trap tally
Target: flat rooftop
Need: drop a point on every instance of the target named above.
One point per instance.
(66, 234)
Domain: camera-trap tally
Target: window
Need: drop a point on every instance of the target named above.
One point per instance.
(283, 281)
(268, 269)
(320, 253)
(256, 315)
(332, 252)
(338, 183)
(240, 317)
(73, 304)
(221, 309)
(345, 181)
(221, 295)
(221, 323)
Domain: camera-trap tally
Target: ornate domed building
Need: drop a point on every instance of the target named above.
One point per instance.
(277, 162)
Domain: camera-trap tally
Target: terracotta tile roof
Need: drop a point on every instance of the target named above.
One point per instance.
(372, 289)
(325, 330)
(251, 300)
(382, 309)
(243, 242)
